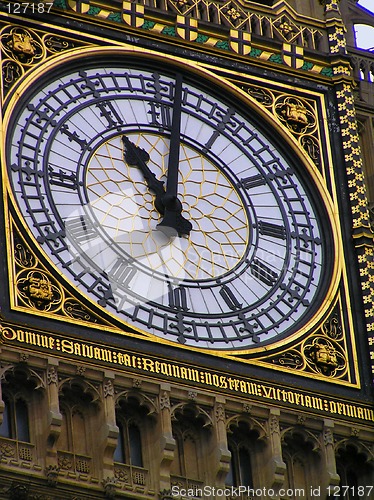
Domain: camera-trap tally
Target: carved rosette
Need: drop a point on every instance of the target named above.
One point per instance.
(22, 45)
(296, 114)
(38, 290)
(324, 352)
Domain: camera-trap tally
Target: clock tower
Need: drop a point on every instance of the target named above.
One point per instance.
(187, 299)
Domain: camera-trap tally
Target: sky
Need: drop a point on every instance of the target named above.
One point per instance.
(365, 34)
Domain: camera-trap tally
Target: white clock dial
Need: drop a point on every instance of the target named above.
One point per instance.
(89, 165)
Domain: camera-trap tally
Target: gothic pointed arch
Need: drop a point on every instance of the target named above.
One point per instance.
(354, 464)
(245, 435)
(79, 402)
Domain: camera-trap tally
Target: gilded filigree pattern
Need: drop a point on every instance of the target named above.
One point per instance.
(37, 289)
(22, 255)
(361, 225)
(323, 353)
(325, 356)
(74, 309)
(24, 48)
(298, 115)
(22, 45)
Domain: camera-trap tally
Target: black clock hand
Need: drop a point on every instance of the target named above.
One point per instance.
(173, 221)
(134, 155)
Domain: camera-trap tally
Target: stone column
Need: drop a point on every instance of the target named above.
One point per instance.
(222, 453)
(329, 476)
(276, 468)
(167, 442)
(54, 422)
(109, 429)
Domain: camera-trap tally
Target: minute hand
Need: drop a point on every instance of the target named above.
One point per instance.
(173, 221)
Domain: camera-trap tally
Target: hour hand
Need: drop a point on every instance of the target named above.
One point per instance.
(134, 155)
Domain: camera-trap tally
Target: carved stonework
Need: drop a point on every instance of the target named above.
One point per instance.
(301, 419)
(18, 492)
(164, 401)
(328, 437)
(286, 28)
(274, 424)
(165, 495)
(330, 5)
(247, 408)
(220, 413)
(23, 357)
(52, 377)
(110, 485)
(108, 388)
(7, 450)
(137, 383)
(192, 395)
(355, 432)
(39, 290)
(52, 472)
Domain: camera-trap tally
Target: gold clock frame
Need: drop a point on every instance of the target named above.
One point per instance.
(264, 355)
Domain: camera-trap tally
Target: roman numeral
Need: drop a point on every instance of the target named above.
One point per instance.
(122, 272)
(270, 229)
(160, 115)
(229, 297)
(63, 178)
(180, 326)
(178, 298)
(109, 112)
(252, 182)
(263, 272)
(42, 114)
(80, 229)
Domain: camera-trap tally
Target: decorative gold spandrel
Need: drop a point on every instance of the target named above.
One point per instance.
(297, 114)
(22, 45)
(35, 289)
(22, 48)
(324, 352)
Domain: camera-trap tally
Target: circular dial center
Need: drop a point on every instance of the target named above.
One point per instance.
(122, 204)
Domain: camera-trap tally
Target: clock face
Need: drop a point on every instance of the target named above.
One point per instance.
(89, 157)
